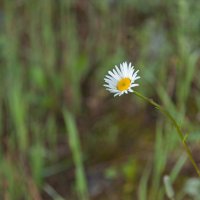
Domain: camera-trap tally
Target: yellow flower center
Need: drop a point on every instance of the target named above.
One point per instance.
(123, 84)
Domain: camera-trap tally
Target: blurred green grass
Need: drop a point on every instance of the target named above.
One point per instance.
(53, 57)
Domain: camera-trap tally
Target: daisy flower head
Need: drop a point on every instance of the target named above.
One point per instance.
(121, 79)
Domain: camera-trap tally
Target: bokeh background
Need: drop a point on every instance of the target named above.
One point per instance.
(62, 135)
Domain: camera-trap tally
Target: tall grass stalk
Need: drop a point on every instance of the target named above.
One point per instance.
(52, 192)
(74, 143)
(143, 185)
(180, 134)
(168, 187)
(160, 159)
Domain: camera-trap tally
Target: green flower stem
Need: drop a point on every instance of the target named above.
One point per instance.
(181, 135)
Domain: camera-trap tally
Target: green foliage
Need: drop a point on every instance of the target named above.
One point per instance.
(53, 57)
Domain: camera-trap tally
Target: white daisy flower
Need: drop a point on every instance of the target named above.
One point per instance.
(121, 79)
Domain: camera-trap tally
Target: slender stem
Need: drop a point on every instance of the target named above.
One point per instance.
(181, 135)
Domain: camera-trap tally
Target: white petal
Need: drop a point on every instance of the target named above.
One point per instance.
(134, 85)
(117, 75)
(136, 78)
(118, 70)
(130, 90)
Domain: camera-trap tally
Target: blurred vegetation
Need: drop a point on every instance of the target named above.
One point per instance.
(62, 135)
